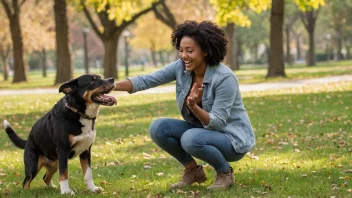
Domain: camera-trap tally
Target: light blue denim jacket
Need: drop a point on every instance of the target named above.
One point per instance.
(221, 98)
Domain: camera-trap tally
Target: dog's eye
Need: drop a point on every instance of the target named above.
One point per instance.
(94, 77)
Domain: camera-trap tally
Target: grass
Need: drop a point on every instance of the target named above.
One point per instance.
(247, 74)
(303, 147)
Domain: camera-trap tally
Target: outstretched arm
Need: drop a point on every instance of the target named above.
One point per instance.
(123, 85)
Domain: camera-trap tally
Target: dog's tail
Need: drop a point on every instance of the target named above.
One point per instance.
(16, 140)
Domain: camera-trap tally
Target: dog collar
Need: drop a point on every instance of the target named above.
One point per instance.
(78, 112)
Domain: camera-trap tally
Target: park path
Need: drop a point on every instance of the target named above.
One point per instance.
(171, 88)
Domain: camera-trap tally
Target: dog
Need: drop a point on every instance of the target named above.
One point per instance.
(66, 131)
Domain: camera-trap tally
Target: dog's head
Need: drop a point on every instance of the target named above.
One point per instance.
(91, 88)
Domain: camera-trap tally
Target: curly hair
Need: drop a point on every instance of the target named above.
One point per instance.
(207, 35)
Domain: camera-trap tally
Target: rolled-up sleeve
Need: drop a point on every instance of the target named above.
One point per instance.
(225, 95)
(165, 75)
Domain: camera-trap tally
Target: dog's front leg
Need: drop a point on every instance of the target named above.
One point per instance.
(63, 171)
(85, 158)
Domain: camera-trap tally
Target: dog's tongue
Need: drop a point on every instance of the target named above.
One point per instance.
(111, 100)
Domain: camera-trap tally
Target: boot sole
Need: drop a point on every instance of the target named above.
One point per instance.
(201, 180)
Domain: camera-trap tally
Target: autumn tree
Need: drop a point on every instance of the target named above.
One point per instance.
(291, 17)
(309, 13)
(230, 14)
(114, 17)
(5, 45)
(39, 30)
(64, 68)
(340, 21)
(154, 39)
(13, 11)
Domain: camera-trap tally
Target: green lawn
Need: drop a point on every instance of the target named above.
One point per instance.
(303, 147)
(247, 74)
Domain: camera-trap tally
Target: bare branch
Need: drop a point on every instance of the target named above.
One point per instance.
(303, 19)
(136, 16)
(7, 8)
(90, 19)
(22, 2)
(168, 18)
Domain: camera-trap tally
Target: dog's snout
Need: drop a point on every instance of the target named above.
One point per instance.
(111, 80)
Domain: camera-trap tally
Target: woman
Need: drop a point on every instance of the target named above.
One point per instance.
(216, 127)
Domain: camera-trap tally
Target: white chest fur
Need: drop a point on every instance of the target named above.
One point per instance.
(83, 141)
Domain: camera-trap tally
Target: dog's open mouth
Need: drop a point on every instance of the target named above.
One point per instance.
(103, 99)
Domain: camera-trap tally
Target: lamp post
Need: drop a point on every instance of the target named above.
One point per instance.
(125, 35)
(85, 33)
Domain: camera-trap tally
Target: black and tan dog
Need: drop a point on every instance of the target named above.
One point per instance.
(65, 132)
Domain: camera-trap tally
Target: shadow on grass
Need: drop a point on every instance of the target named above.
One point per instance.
(133, 180)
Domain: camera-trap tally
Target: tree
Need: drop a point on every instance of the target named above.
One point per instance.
(13, 13)
(309, 13)
(154, 39)
(339, 19)
(229, 15)
(38, 30)
(292, 15)
(5, 45)
(114, 16)
(276, 57)
(64, 69)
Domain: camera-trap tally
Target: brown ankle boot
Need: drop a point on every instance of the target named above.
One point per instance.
(223, 180)
(191, 175)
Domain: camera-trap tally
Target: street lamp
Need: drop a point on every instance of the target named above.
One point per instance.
(85, 33)
(125, 35)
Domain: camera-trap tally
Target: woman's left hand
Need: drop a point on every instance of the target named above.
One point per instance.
(194, 97)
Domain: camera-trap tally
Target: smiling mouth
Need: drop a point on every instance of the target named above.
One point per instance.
(101, 98)
(187, 62)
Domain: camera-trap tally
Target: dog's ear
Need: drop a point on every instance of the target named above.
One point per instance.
(68, 86)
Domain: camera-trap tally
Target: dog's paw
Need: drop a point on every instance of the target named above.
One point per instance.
(51, 185)
(96, 189)
(67, 191)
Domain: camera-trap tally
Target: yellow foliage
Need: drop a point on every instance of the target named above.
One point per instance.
(120, 10)
(150, 33)
(229, 11)
(307, 5)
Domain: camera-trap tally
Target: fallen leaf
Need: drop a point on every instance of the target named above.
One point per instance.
(104, 182)
(160, 174)
(252, 156)
(347, 171)
(334, 187)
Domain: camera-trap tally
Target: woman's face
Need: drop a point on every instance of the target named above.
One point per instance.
(191, 54)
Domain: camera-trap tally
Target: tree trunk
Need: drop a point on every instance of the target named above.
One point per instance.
(20, 73)
(255, 53)
(231, 57)
(339, 44)
(288, 48)
(311, 50)
(110, 57)
(64, 69)
(4, 53)
(44, 66)
(348, 53)
(276, 59)
(239, 55)
(152, 53)
(161, 57)
(6, 68)
(309, 19)
(298, 46)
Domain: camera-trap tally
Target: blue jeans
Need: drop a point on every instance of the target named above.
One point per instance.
(183, 140)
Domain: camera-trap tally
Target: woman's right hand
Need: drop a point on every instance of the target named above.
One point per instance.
(194, 97)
